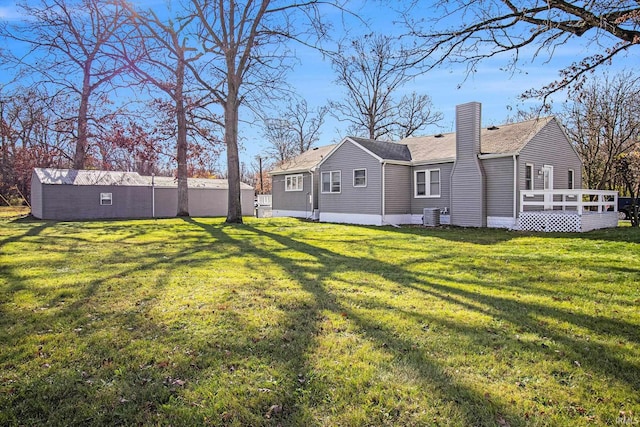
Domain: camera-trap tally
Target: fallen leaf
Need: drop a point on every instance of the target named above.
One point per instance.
(273, 410)
(502, 422)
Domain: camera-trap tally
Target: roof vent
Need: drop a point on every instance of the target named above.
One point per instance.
(493, 128)
(438, 135)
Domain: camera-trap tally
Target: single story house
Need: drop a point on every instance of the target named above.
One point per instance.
(69, 194)
(473, 177)
(294, 184)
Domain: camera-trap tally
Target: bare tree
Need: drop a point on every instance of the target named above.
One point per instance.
(294, 131)
(164, 66)
(245, 43)
(28, 138)
(281, 139)
(372, 70)
(603, 124)
(628, 168)
(414, 113)
(469, 31)
(69, 47)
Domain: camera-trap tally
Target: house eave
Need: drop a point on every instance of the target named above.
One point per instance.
(434, 161)
(395, 162)
(291, 171)
(497, 155)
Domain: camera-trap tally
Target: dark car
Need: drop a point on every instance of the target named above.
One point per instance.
(624, 207)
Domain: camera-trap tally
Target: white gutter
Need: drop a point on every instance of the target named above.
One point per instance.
(496, 155)
(433, 162)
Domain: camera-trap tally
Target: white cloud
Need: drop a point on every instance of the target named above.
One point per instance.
(9, 13)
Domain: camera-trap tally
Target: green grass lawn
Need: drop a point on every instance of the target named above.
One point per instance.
(284, 322)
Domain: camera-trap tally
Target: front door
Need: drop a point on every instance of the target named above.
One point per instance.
(547, 176)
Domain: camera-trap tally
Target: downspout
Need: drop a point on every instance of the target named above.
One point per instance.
(153, 195)
(312, 195)
(383, 191)
(515, 189)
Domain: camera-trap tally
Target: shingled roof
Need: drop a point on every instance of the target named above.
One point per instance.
(502, 139)
(305, 161)
(385, 150)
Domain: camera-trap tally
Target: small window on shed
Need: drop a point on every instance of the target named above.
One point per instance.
(106, 199)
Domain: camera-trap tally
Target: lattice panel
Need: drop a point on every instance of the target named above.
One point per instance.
(550, 222)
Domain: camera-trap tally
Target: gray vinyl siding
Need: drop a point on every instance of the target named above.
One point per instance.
(550, 147)
(202, 202)
(397, 189)
(499, 186)
(75, 202)
(291, 200)
(359, 200)
(36, 196)
(444, 201)
(467, 177)
(79, 202)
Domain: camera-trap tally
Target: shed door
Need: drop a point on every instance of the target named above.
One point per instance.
(547, 176)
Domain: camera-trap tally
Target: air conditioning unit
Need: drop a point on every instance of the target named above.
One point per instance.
(431, 217)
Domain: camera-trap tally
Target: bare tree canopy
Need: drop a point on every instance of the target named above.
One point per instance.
(470, 31)
(69, 46)
(604, 124)
(373, 69)
(244, 47)
(163, 65)
(294, 130)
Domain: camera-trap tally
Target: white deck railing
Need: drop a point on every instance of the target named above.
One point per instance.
(569, 200)
(264, 199)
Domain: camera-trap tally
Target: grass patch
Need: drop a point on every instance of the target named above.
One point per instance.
(283, 322)
(12, 212)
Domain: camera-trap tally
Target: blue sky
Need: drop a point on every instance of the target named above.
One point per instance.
(497, 90)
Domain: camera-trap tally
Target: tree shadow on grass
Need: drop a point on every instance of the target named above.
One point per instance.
(525, 316)
(154, 393)
(490, 236)
(101, 381)
(304, 321)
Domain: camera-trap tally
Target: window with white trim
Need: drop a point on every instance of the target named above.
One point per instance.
(359, 177)
(528, 176)
(427, 183)
(106, 199)
(293, 183)
(572, 182)
(331, 181)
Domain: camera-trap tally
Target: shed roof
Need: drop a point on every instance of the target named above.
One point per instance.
(304, 162)
(88, 177)
(169, 182)
(98, 177)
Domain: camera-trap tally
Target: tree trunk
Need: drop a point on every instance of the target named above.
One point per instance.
(80, 157)
(234, 212)
(183, 189)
